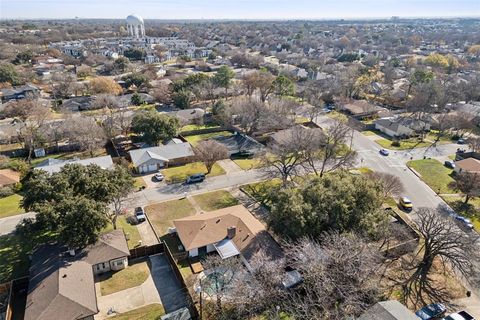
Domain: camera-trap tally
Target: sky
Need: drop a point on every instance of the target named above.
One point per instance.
(237, 9)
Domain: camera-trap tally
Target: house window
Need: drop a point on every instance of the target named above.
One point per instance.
(103, 265)
(119, 263)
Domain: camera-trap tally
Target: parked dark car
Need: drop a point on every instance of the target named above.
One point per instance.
(462, 315)
(449, 164)
(199, 177)
(432, 311)
(461, 141)
(140, 214)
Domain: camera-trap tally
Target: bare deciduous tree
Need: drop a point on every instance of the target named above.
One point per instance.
(391, 185)
(209, 152)
(468, 183)
(340, 277)
(218, 285)
(86, 133)
(445, 243)
(336, 153)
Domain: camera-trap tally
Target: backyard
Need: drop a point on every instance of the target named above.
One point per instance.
(14, 254)
(434, 173)
(150, 312)
(173, 243)
(132, 276)
(215, 200)
(162, 214)
(193, 127)
(205, 136)
(10, 206)
(180, 173)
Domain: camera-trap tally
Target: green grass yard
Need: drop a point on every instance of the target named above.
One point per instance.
(130, 230)
(180, 173)
(10, 206)
(14, 254)
(132, 276)
(247, 164)
(162, 214)
(205, 136)
(149, 312)
(215, 200)
(404, 144)
(470, 210)
(434, 173)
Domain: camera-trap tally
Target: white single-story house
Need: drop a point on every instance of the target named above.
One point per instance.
(55, 165)
(229, 231)
(152, 159)
(398, 127)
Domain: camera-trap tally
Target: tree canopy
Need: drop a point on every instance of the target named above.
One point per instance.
(9, 74)
(154, 127)
(337, 202)
(73, 203)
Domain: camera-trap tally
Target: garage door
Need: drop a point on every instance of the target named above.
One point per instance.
(152, 167)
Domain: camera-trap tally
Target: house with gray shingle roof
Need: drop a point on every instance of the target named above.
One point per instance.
(152, 159)
(61, 286)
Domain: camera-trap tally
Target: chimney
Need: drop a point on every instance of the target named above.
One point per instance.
(231, 231)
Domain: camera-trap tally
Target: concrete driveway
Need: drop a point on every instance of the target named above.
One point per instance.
(172, 295)
(161, 286)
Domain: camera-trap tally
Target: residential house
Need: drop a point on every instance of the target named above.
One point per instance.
(229, 231)
(17, 93)
(240, 143)
(78, 103)
(61, 285)
(400, 127)
(471, 165)
(152, 159)
(388, 310)
(110, 253)
(55, 165)
(190, 116)
(9, 177)
(297, 131)
(361, 109)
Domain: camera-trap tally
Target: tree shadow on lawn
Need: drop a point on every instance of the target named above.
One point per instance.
(467, 209)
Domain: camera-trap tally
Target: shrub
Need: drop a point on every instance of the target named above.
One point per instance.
(5, 192)
(395, 143)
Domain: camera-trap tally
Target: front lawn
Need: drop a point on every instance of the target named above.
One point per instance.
(149, 312)
(130, 230)
(369, 133)
(433, 173)
(10, 206)
(470, 210)
(162, 214)
(337, 116)
(247, 164)
(139, 183)
(14, 254)
(260, 190)
(132, 276)
(205, 136)
(411, 143)
(215, 200)
(180, 173)
(405, 144)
